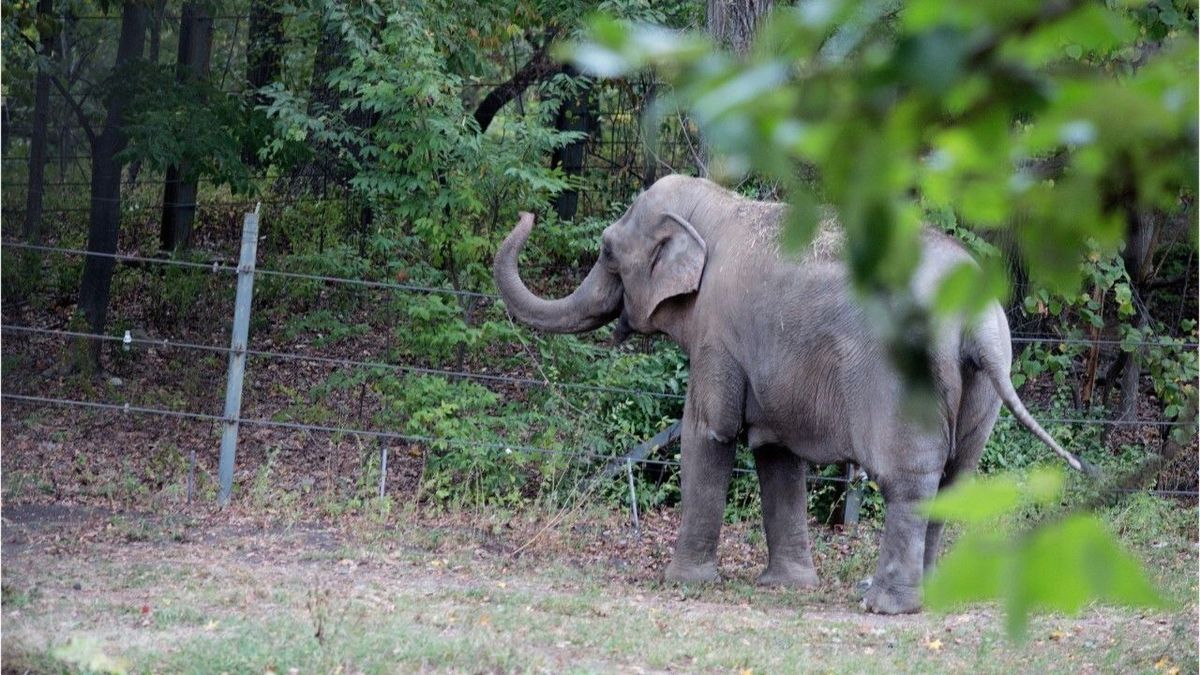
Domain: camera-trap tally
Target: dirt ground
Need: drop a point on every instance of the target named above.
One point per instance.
(223, 591)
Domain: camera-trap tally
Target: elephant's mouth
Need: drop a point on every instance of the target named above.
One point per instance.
(623, 329)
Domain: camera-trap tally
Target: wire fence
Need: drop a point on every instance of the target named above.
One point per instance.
(616, 157)
(578, 454)
(226, 267)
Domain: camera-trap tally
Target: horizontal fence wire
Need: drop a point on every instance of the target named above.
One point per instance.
(217, 266)
(506, 448)
(158, 205)
(419, 370)
(488, 377)
(1108, 342)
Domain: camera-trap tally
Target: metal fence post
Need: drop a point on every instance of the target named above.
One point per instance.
(637, 527)
(854, 496)
(383, 457)
(237, 353)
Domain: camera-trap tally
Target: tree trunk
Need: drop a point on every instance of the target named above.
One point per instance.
(160, 9)
(264, 58)
(733, 23)
(323, 100)
(105, 217)
(1140, 244)
(539, 67)
(5, 129)
(179, 191)
(31, 229)
(649, 138)
(577, 113)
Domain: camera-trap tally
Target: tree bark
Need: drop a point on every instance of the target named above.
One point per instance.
(31, 228)
(264, 55)
(539, 67)
(577, 113)
(733, 23)
(324, 100)
(160, 10)
(105, 217)
(264, 58)
(649, 139)
(179, 190)
(1141, 242)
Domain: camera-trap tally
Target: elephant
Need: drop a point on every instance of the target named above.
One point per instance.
(783, 356)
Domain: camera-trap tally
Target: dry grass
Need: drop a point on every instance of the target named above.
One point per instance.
(224, 592)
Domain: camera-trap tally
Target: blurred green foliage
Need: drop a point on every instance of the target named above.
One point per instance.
(1058, 122)
(1062, 565)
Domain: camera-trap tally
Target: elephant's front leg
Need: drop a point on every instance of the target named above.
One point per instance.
(896, 587)
(707, 465)
(785, 518)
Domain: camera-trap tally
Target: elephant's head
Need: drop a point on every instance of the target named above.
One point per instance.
(649, 256)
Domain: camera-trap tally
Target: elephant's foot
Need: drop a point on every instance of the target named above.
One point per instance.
(683, 573)
(885, 599)
(791, 576)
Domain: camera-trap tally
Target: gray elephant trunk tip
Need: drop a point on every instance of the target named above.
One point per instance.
(594, 303)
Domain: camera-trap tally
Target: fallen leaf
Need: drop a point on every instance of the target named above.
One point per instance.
(934, 645)
(1057, 635)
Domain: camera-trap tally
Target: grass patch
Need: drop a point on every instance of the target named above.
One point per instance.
(366, 599)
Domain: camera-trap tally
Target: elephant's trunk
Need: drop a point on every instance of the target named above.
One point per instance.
(594, 303)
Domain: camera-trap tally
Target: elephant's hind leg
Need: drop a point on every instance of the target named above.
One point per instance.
(977, 415)
(785, 518)
(896, 586)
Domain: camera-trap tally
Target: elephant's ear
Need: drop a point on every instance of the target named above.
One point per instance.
(677, 263)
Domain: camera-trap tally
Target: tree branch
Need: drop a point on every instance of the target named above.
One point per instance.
(83, 121)
(537, 68)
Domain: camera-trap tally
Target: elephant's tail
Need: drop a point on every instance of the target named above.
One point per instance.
(1009, 395)
(995, 362)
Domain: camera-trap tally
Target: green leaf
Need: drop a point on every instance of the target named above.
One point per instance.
(969, 288)
(1066, 565)
(970, 572)
(1045, 485)
(976, 500)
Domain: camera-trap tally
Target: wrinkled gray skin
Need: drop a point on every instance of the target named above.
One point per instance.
(781, 353)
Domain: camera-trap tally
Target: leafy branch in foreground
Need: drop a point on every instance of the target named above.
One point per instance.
(1060, 122)
(1061, 565)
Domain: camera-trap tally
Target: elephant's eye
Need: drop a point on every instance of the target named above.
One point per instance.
(656, 254)
(606, 251)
